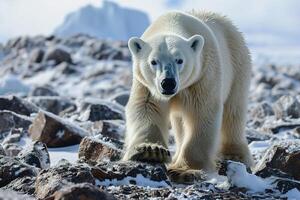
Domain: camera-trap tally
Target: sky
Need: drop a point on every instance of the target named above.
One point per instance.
(269, 21)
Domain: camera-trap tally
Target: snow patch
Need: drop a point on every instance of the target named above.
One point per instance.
(11, 84)
(238, 176)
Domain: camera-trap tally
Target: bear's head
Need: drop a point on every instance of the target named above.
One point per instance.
(166, 64)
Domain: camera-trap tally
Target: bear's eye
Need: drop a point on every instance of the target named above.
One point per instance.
(153, 62)
(179, 61)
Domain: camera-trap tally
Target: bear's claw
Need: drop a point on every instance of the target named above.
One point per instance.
(151, 153)
(185, 176)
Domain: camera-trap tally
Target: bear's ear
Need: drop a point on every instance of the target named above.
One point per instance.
(136, 45)
(196, 42)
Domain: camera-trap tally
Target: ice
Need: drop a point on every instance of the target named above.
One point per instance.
(109, 22)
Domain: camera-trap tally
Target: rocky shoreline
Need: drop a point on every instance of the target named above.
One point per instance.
(68, 92)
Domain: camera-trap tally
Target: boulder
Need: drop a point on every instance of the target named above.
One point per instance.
(43, 91)
(96, 112)
(12, 168)
(96, 149)
(63, 174)
(36, 55)
(284, 156)
(12, 149)
(36, 154)
(53, 104)
(82, 191)
(23, 184)
(109, 128)
(55, 131)
(10, 120)
(262, 110)
(58, 55)
(2, 152)
(17, 105)
(287, 106)
(121, 98)
(136, 173)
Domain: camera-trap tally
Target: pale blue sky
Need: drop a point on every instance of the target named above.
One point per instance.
(279, 19)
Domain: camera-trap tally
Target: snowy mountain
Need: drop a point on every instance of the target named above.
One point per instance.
(109, 22)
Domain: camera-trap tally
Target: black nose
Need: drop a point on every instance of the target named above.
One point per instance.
(168, 84)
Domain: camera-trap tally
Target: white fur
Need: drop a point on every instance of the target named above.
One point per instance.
(210, 104)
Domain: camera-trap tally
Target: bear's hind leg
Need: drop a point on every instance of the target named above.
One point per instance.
(234, 144)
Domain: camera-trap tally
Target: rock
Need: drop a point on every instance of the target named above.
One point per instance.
(36, 154)
(287, 106)
(284, 156)
(95, 149)
(109, 173)
(253, 135)
(10, 120)
(121, 98)
(53, 104)
(12, 149)
(262, 110)
(43, 91)
(17, 105)
(58, 55)
(12, 195)
(283, 127)
(2, 152)
(284, 185)
(55, 131)
(36, 56)
(96, 112)
(12, 168)
(108, 128)
(14, 136)
(55, 178)
(81, 192)
(24, 184)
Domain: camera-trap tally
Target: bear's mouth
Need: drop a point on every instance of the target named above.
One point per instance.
(168, 92)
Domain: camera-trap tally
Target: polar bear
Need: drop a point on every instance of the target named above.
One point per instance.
(193, 70)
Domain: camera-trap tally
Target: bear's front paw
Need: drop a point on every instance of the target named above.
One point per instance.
(186, 176)
(151, 153)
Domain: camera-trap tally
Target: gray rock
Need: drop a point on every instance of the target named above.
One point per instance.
(12, 168)
(53, 104)
(10, 120)
(287, 106)
(64, 174)
(121, 98)
(43, 91)
(12, 149)
(2, 152)
(81, 191)
(17, 105)
(36, 154)
(107, 171)
(97, 112)
(36, 56)
(58, 55)
(262, 110)
(23, 184)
